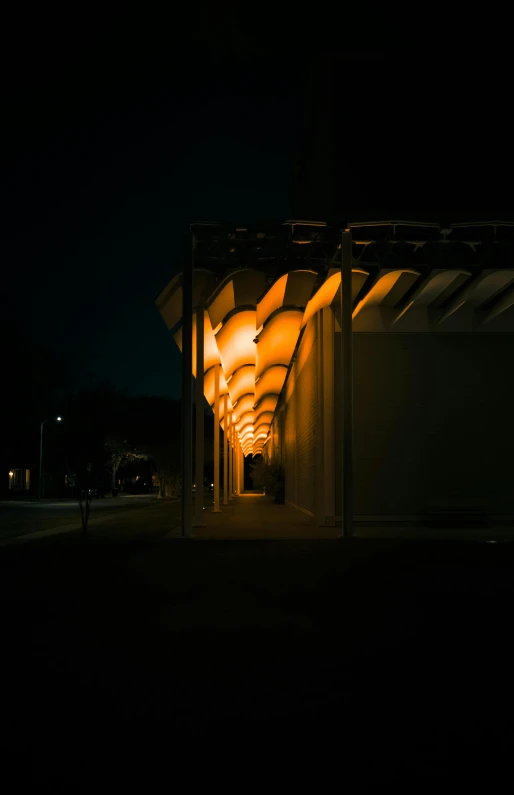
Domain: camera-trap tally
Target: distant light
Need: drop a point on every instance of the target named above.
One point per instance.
(11, 473)
(212, 484)
(59, 419)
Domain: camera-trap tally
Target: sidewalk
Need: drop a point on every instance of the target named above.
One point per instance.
(256, 517)
(252, 517)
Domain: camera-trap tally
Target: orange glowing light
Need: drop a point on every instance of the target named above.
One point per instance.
(277, 340)
(235, 341)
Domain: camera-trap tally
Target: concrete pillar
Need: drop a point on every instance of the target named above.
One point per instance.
(325, 431)
(230, 461)
(320, 473)
(238, 467)
(225, 449)
(217, 439)
(242, 470)
(329, 434)
(199, 470)
(347, 385)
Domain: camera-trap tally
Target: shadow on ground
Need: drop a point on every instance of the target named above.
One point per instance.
(256, 662)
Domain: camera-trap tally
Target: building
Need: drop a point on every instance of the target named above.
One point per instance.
(19, 480)
(432, 377)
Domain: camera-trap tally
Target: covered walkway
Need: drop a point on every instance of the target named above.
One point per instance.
(254, 517)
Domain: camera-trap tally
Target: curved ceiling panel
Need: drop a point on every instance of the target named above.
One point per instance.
(244, 404)
(261, 430)
(169, 302)
(270, 382)
(328, 291)
(235, 341)
(247, 433)
(264, 417)
(266, 403)
(485, 288)
(241, 288)
(211, 354)
(247, 418)
(436, 289)
(277, 340)
(292, 289)
(271, 300)
(222, 304)
(242, 382)
(388, 289)
(300, 285)
(501, 305)
(209, 385)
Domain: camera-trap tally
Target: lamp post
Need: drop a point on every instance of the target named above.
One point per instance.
(41, 490)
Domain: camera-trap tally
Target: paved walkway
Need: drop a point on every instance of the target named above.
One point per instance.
(256, 517)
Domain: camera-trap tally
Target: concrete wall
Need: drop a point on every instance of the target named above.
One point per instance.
(433, 421)
(433, 424)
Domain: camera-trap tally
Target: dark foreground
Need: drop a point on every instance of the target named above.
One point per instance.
(337, 665)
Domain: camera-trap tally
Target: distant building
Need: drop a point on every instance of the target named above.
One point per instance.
(19, 480)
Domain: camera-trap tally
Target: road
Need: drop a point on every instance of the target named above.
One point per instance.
(21, 518)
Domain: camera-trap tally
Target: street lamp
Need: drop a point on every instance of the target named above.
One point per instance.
(57, 419)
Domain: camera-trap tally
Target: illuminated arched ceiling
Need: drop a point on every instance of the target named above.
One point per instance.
(251, 330)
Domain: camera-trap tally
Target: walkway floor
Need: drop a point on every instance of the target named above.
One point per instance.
(255, 517)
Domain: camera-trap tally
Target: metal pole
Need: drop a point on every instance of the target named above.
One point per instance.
(230, 466)
(225, 449)
(199, 474)
(40, 490)
(347, 385)
(217, 438)
(187, 393)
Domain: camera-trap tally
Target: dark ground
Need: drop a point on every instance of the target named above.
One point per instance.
(336, 664)
(22, 517)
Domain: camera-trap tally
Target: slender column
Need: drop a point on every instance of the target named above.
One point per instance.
(320, 430)
(199, 474)
(238, 467)
(230, 461)
(217, 439)
(187, 394)
(347, 385)
(241, 470)
(329, 480)
(225, 449)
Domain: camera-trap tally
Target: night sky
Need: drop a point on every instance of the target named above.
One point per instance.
(119, 135)
(113, 149)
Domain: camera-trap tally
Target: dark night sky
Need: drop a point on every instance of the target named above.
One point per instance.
(115, 140)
